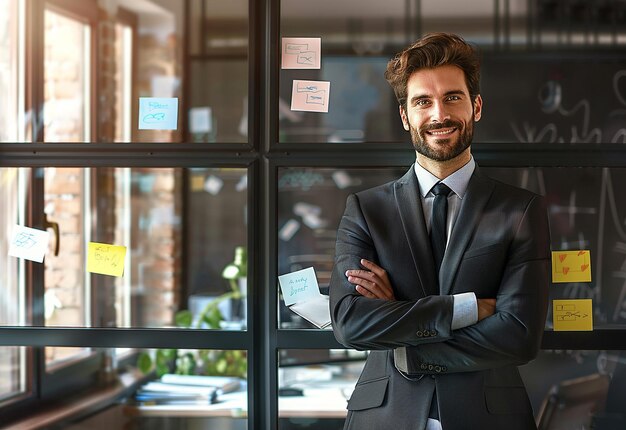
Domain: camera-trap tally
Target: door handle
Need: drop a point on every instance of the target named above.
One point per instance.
(55, 227)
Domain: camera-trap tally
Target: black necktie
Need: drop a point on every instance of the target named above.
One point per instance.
(438, 223)
(438, 244)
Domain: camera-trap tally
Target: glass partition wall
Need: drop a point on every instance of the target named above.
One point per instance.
(176, 157)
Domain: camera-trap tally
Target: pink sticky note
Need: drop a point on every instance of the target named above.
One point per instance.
(310, 96)
(301, 52)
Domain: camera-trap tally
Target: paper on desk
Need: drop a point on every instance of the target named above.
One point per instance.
(315, 311)
(302, 294)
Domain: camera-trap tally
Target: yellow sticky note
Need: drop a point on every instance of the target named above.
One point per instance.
(572, 315)
(571, 266)
(197, 183)
(106, 259)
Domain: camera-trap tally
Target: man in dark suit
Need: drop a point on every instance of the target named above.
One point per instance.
(445, 284)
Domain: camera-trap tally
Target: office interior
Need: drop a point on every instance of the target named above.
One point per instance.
(244, 189)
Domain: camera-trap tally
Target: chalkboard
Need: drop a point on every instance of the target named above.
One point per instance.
(553, 98)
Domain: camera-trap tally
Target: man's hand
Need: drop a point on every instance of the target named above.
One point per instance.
(486, 308)
(373, 283)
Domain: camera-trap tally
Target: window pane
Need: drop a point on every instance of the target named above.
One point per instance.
(357, 41)
(11, 70)
(155, 215)
(587, 212)
(12, 372)
(67, 64)
(219, 71)
(577, 389)
(314, 387)
(12, 286)
(310, 204)
(203, 388)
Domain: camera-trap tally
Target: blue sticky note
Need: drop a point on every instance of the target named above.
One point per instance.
(158, 113)
(299, 286)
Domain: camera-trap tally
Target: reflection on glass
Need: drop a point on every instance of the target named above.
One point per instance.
(11, 68)
(577, 389)
(12, 371)
(310, 204)
(217, 277)
(315, 385)
(123, 82)
(12, 286)
(13, 185)
(66, 283)
(219, 71)
(67, 85)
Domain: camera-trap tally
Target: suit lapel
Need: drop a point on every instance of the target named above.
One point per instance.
(406, 192)
(478, 193)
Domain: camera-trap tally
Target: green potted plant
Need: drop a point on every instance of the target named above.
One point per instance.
(207, 362)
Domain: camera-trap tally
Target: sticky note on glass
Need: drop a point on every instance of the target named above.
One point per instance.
(299, 286)
(572, 315)
(310, 96)
(301, 53)
(29, 243)
(106, 259)
(571, 266)
(158, 113)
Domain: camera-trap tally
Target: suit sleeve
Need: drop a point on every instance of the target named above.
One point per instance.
(364, 323)
(511, 336)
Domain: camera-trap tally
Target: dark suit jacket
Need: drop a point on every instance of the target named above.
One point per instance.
(499, 248)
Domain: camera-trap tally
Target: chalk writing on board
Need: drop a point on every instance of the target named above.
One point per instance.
(581, 132)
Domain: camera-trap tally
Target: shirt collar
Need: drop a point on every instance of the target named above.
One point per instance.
(457, 181)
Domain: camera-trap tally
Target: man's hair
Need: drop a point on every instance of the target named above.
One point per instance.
(434, 50)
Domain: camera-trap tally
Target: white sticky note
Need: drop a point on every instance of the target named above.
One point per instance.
(342, 179)
(200, 120)
(157, 113)
(301, 52)
(310, 96)
(299, 286)
(288, 230)
(213, 185)
(29, 243)
(304, 209)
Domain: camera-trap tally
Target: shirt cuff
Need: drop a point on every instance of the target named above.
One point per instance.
(465, 311)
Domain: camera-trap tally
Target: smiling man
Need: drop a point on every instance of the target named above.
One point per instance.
(442, 274)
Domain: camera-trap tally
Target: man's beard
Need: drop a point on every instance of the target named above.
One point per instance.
(442, 153)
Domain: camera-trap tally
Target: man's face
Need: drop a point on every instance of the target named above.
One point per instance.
(439, 113)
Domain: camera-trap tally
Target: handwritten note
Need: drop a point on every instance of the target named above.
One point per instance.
(301, 53)
(29, 243)
(572, 315)
(310, 96)
(156, 113)
(299, 286)
(106, 259)
(571, 266)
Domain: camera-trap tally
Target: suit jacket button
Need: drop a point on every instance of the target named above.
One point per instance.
(426, 333)
(431, 367)
(444, 368)
(419, 333)
(433, 333)
(423, 366)
(437, 369)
